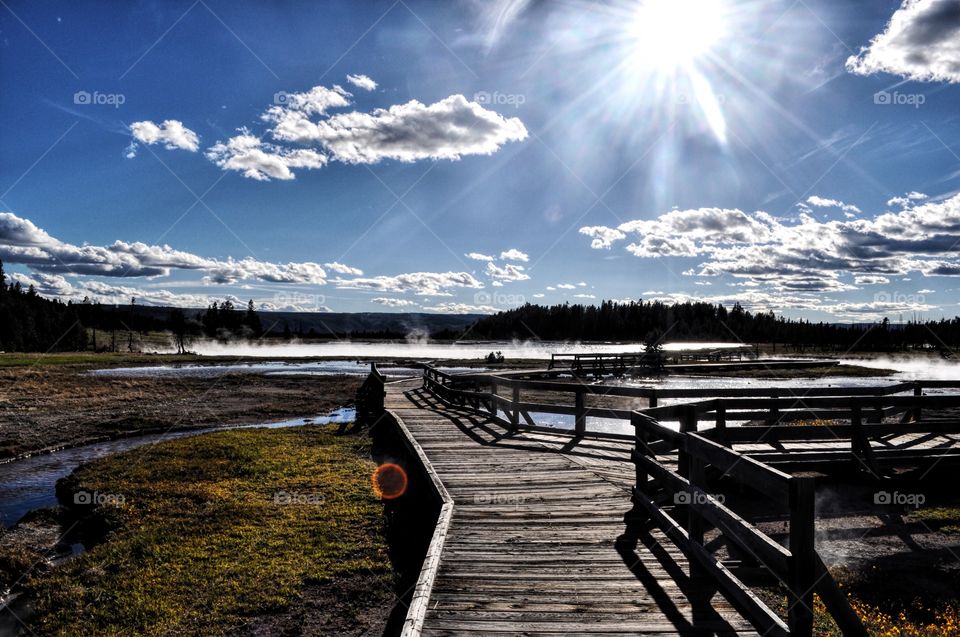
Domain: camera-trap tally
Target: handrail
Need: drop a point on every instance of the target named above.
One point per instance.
(774, 405)
(797, 566)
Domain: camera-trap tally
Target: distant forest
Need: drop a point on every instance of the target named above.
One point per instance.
(30, 322)
(695, 321)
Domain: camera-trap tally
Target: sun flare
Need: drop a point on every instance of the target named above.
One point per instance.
(671, 33)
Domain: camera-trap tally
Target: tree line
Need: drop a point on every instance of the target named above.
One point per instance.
(689, 321)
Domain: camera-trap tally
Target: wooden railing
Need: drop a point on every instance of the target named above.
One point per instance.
(506, 399)
(797, 565)
(370, 397)
(602, 364)
(701, 452)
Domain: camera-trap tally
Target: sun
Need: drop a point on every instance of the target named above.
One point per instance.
(673, 33)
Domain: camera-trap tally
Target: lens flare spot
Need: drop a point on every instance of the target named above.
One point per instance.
(389, 481)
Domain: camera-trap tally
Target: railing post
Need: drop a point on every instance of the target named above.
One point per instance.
(641, 437)
(515, 407)
(688, 423)
(917, 391)
(493, 397)
(653, 398)
(802, 556)
(694, 521)
(722, 425)
(580, 418)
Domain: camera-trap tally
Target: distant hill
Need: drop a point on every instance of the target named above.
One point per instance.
(331, 324)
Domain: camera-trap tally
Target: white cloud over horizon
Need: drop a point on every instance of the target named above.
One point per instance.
(805, 255)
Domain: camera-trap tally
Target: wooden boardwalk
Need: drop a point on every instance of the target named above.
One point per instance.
(531, 548)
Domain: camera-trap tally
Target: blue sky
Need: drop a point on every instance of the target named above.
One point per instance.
(485, 154)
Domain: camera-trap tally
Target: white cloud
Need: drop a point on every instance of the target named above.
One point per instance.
(907, 200)
(821, 202)
(870, 279)
(362, 81)
(316, 101)
(565, 286)
(509, 272)
(921, 42)
(391, 302)
(259, 160)
(419, 283)
(603, 237)
(584, 296)
(806, 254)
(460, 308)
(514, 255)
(539, 295)
(171, 133)
(477, 256)
(23, 242)
(340, 268)
(448, 129)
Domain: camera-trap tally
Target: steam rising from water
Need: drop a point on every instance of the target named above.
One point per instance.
(419, 347)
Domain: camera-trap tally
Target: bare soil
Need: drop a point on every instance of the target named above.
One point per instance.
(49, 406)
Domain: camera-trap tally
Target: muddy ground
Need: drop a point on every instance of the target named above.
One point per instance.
(44, 406)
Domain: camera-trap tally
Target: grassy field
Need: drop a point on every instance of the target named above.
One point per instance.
(239, 532)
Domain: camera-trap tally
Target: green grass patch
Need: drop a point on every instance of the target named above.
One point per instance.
(943, 518)
(213, 532)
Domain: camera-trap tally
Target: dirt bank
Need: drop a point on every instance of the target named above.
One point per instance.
(43, 406)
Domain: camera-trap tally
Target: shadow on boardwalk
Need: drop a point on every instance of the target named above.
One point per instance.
(533, 547)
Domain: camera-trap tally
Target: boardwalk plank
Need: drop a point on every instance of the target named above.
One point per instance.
(531, 549)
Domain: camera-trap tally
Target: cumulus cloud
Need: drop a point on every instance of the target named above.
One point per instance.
(362, 81)
(603, 237)
(460, 308)
(514, 255)
(171, 133)
(340, 268)
(565, 286)
(392, 302)
(477, 256)
(870, 279)
(262, 161)
(305, 134)
(760, 301)
(907, 200)
(419, 283)
(806, 254)
(509, 272)
(21, 241)
(821, 202)
(448, 129)
(921, 42)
